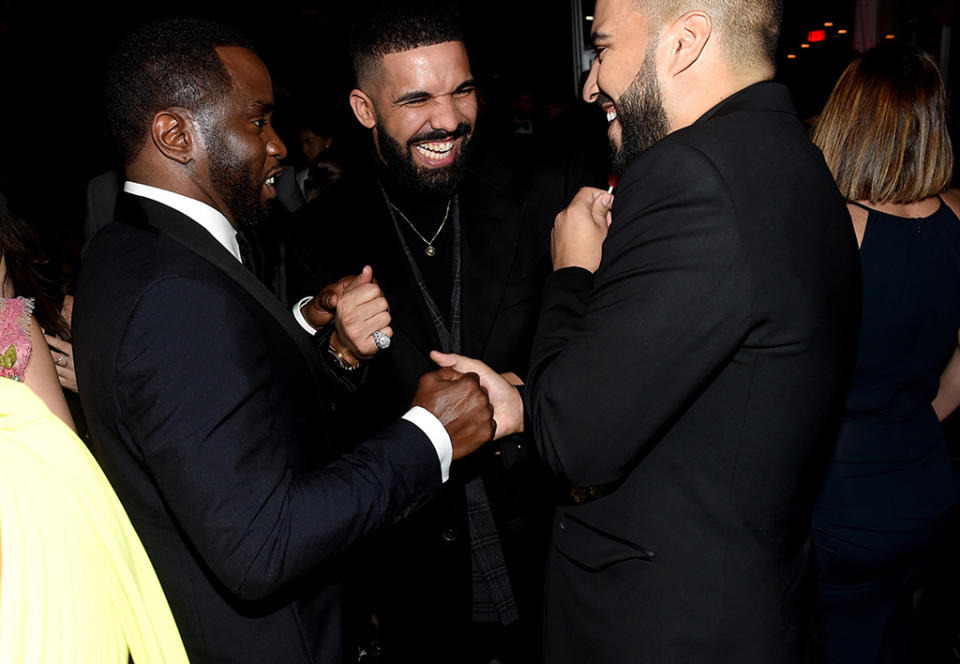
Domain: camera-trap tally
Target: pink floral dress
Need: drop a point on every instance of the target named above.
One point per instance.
(14, 336)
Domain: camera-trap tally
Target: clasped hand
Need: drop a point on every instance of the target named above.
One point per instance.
(580, 229)
(500, 388)
(358, 308)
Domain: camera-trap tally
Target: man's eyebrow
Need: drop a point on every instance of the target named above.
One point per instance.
(413, 95)
(599, 35)
(420, 95)
(259, 106)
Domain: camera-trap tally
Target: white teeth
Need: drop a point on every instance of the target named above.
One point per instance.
(270, 180)
(611, 115)
(435, 149)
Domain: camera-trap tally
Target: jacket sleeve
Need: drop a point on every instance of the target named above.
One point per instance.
(194, 392)
(618, 355)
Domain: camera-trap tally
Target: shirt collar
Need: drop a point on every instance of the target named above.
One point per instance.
(209, 218)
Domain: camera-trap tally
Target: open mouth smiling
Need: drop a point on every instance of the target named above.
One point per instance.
(437, 154)
(269, 182)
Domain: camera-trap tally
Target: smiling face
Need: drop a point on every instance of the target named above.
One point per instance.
(242, 149)
(421, 105)
(623, 80)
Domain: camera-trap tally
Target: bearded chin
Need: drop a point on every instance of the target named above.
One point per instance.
(249, 215)
(421, 181)
(643, 120)
(241, 193)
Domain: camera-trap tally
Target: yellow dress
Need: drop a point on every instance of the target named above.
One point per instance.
(75, 582)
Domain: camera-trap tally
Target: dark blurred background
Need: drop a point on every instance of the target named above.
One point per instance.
(525, 54)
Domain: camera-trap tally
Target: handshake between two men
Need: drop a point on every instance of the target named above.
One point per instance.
(360, 312)
(472, 402)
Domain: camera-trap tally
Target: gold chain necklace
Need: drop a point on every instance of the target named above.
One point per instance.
(430, 250)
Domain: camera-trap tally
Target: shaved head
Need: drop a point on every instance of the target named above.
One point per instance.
(748, 29)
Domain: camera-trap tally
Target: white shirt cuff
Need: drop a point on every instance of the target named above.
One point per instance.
(430, 425)
(298, 315)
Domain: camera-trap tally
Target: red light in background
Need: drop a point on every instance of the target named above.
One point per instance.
(817, 36)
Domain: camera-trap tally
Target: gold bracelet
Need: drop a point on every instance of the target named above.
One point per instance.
(341, 360)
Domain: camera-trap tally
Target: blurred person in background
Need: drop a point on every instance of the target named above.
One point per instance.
(890, 489)
(29, 304)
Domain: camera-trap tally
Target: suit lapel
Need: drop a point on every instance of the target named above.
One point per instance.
(490, 227)
(156, 217)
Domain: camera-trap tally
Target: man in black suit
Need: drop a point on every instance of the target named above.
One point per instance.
(202, 393)
(691, 359)
(462, 267)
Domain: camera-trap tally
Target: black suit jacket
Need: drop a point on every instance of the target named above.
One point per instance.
(421, 570)
(202, 397)
(697, 379)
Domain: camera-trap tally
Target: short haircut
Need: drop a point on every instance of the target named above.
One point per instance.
(398, 25)
(162, 65)
(749, 29)
(883, 130)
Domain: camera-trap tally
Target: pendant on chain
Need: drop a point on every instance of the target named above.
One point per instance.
(429, 250)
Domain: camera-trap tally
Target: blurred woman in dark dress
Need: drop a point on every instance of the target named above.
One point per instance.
(890, 488)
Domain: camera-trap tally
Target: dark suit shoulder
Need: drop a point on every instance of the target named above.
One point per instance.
(669, 186)
(122, 263)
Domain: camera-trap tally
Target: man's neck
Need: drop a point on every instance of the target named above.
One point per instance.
(424, 206)
(701, 94)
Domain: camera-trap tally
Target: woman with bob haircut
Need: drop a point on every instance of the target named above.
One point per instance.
(889, 489)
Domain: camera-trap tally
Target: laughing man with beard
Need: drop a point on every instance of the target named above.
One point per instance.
(693, 351)
(436, 218)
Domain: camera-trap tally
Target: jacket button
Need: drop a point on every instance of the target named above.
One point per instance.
(563, 525)
(449, 535)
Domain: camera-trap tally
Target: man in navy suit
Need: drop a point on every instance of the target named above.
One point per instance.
(202, 393)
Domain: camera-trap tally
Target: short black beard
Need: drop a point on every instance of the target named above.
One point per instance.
(422, 181)
(236, 182)
(643, 120)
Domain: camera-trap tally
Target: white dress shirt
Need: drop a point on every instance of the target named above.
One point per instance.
(223, 231)
(210, 218)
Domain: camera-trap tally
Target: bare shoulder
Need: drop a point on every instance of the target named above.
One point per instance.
(859, 218)
(952, 198)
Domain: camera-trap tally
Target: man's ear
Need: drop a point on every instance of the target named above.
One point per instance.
(363, 108)
(174, 135)
(688, 36)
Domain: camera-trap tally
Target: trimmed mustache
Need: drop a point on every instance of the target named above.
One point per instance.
(461, 130)
(603, 99)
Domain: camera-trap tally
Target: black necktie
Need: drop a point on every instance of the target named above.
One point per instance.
(251, 253)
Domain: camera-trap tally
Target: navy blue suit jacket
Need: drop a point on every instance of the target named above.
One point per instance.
(204, 402)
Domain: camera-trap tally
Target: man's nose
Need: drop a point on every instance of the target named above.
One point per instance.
(590, 87)
(275, 146)
(445, 114)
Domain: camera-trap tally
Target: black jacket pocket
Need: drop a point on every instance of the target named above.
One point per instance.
(595, 549)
